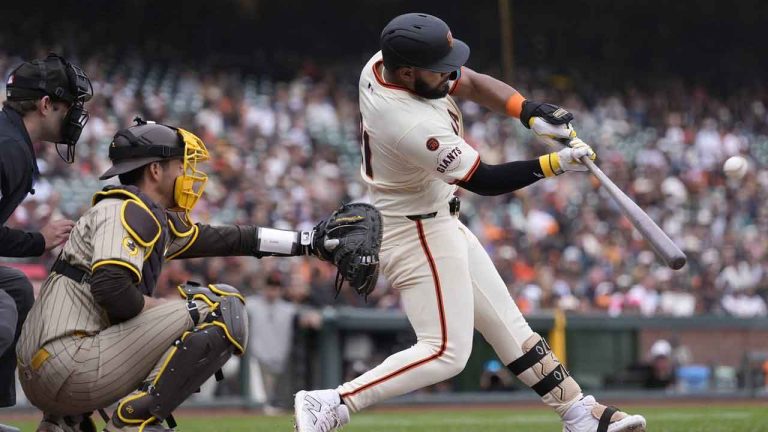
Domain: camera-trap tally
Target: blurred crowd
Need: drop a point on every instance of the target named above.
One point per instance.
(285, 154)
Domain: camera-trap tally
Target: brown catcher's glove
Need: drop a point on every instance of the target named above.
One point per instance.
(351, 239)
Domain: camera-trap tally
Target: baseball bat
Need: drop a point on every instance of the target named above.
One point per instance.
(664, 246)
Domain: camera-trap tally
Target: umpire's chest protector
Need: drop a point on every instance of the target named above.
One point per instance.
(153, 264)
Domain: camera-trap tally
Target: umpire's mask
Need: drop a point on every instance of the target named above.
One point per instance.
(62, 81)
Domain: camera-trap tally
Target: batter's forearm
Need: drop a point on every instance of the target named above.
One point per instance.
(485, 90)
(503, 178)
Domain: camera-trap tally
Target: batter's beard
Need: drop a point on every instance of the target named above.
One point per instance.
(422, 89)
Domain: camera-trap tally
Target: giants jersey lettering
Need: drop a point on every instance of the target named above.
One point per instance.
(413, 148)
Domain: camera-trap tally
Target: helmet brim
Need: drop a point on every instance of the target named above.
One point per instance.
(125, 166)
(453, 61)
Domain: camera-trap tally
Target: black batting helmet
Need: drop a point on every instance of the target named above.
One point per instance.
(422, 41)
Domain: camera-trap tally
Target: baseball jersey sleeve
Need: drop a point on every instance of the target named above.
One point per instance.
(112, 243)
(438, 150)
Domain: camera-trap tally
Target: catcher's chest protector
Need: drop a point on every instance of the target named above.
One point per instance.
(150, 271)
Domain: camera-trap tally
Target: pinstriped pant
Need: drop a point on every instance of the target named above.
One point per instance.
(104, 368)
(449, 286)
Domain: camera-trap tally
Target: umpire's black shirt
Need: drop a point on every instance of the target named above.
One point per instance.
(18, 169)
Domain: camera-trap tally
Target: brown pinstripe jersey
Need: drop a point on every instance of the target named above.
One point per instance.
(65, 307)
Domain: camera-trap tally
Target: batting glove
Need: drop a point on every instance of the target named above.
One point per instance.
(567, 159)
(550, 123)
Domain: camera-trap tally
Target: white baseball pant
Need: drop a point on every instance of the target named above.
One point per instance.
(449, 286)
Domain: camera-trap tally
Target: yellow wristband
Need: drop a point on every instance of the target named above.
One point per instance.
(550, 164)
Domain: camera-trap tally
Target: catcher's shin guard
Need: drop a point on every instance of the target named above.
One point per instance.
(541, 370)
(194, 358)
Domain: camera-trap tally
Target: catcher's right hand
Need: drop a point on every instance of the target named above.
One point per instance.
(351, 239)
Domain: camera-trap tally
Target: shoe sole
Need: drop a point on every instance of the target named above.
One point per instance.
(298, 402)
(635, 423)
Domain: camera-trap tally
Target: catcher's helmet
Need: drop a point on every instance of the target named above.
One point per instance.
(148, 142)
(422, 41)
(141, 144)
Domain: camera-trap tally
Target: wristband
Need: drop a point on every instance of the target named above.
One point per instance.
(515, 105)
(550, 164)
(275, 241)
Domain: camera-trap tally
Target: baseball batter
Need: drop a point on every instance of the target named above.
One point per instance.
(414, 158)
(96, 335)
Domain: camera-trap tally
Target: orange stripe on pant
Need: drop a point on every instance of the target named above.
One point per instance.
(441, 311)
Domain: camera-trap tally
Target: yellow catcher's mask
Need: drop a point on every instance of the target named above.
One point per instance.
(190, 185)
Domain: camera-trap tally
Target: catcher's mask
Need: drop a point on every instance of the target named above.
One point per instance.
(63, 82)
(148, 142)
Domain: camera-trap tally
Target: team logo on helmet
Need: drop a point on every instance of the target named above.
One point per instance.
(450, 39)
(10, 80)
(433, 144)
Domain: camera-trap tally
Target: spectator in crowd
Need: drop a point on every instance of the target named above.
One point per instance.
(661, 373)
(272, 322)
(495, 377)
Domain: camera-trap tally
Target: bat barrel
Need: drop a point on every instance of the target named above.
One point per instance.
(662, 244)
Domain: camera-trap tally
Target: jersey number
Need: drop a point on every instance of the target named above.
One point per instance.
(367, 154)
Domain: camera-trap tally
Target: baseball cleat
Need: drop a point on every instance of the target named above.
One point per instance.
(587, 415)
(319, 411)
(52, 423)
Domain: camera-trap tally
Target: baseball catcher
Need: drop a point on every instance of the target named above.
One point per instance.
(96, 335)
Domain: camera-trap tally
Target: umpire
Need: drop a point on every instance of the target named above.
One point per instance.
(45, 101)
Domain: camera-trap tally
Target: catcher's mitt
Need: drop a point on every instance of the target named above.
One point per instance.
(351, 239)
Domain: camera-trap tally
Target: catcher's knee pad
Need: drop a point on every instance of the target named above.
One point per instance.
(227, 310)
(541, 370)
(195, 357)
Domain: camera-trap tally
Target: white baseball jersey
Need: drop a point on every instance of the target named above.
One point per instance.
(412, 155)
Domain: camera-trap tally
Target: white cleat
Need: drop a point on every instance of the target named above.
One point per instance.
(319, 411)
(587, 415)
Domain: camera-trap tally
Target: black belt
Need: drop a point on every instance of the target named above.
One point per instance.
(454, 205)
(66, 269)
